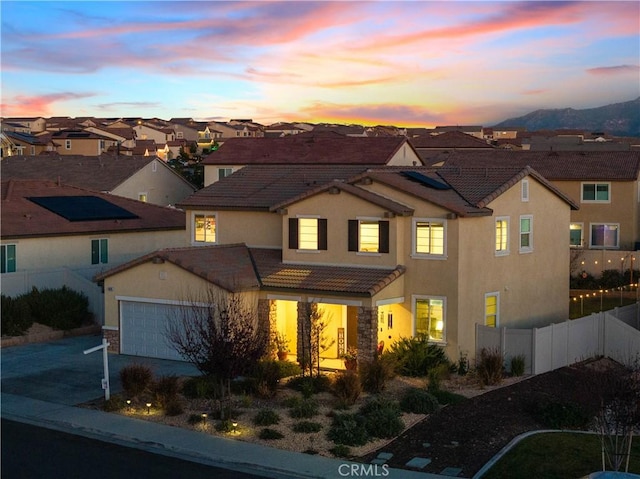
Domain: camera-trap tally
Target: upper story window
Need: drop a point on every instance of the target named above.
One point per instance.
(8, 258)
(204, 228)
(179, 135)
(604, 235)
(502, 235)
(308, 234)
(67, 144)
(369, 236)
(100, 251)
(224, 172)
(526, 233)
(596, 192)
(524, 191)
(33, 150)
(430, 319)
(429, 237)
(576, 235)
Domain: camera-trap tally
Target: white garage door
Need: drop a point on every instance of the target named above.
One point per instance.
(143, 329)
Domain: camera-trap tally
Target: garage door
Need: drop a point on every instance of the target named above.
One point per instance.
(143, 329)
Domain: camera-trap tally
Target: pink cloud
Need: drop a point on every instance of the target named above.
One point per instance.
(401, 115)
(614, 70)
(534, 92)
(22, 105)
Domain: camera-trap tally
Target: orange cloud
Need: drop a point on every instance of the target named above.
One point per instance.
(38, 105)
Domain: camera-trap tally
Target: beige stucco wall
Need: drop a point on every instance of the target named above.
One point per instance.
(405, 156)
(162, 187)
(79, 146)
(211, 172)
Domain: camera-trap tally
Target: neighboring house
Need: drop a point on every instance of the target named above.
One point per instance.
(145, 148)
(140, 178)
(156, 133)
(282, 129)
(604, 184)
(236, 129)
(432, 144)
(346, 130)
(24, 144)
(31, 124)
(125, 137)
(309, 148)
(385, 252)
(473, 130)
(81, 142)
(187, 128)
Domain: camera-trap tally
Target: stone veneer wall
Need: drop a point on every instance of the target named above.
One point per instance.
(267, 318)
(113, 337)
(367, 333)
(304, 324)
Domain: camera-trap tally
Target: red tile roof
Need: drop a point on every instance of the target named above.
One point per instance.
(22, 218)
(307, 149)
(450, 139)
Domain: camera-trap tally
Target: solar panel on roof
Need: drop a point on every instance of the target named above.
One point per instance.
(83, 208)
(425, 180)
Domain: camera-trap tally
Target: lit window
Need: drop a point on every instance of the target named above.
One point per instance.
(604, 235)
(575, 235)
(369, 237)
(99, 251)
(142, 197)
(429, 237)
(595, 192)
(8, 261)
(491, 309)
(502, 236)
(308, 233)
(204, 228)
(430, 318)
(526, 234)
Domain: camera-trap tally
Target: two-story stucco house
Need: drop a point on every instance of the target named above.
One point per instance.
(81, 142)
(386, 252)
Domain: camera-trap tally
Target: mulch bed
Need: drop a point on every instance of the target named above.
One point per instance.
(469, 434)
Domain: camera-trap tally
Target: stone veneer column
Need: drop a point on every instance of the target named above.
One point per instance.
(304, 325)
(113, 338)
(267, 319)
(367, 333)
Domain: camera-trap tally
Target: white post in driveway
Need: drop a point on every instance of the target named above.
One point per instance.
(105, 364)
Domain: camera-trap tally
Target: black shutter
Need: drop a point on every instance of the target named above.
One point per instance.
(353, 235)
(293, 233)
(322, 234)
(383, 236)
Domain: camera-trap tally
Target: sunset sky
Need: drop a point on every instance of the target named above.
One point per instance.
(411, 63)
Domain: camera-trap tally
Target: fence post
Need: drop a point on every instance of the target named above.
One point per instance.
(534, 340)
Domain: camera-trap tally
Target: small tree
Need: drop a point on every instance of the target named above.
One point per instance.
(223, 339)
(314, 339)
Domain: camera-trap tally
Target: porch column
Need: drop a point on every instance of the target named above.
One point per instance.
(113, 338)
(267, 319)
(367, 333)
(303, 339)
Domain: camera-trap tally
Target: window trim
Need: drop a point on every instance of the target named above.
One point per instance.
(4, 267)
(495, 294)
(596, 184)
(525, 249)
(414, 301)
(67, 144)
(101, 255)
(581, 245)
(506, 251)
(592, 246)
(195, 242)
(226, 171)
(414, 239)
(524, 191)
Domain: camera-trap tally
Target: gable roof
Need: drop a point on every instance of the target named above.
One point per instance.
(259, 187)
(239, 268)
(554, 166)
(307, 149)
(25, 137)
(24, 218)
(98, 173)
(450, 139)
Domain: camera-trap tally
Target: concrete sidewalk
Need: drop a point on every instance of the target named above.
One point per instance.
(191, 445)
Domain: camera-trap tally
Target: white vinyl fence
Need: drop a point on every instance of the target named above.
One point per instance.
(614, 334)
(14, 284)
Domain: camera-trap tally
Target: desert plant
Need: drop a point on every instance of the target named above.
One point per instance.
(165, 390)
(226, 425)
(382, 417)
(415, 356)
(348, 429)
(265, 376)
(517, 365)
(375, 374)
(307, 427)
(135, 379)
(463, 364)
(200, 387)
(305, 408)
(270, 434)
(195, 419)
(447, 397)
(16, 316)
(340, 450)
(114, 403)
(266, 417)
(174, 407)
(436, 374)
(489, 367)
(418, 401)
(310, 385)
(347, 387)
(288, 369)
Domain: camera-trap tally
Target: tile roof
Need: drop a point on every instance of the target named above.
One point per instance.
(259, 187)
(25, 137)
(22, 218)
(307, 149)
(450, 139)
(554, 166)
(98, 173)
(239, 268)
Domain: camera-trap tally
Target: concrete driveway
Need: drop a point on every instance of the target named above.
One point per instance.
(59, 372)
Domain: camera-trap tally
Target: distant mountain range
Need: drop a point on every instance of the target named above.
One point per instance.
(619, 119)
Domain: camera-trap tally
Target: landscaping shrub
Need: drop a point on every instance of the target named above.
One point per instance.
(135, 379)
(309, 385)
(60, 308)
(347, 388)
(382, 418)
(266, 417)
(165, 390)
(447, 397)
(16, 316)
(560, 415)
(348, 429)
(375, 374)
(270, 434)
(416, 356)
(288, 369)
(418, 401)
(225, 425)
(115, 403)
(195, 419)
(304, 408)
(436, 375)
(340, 450)
(517, 365)
(266, 375)
(307, 427)
(174, 407)
(200, 387)
(612, 278)
(489, 367)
